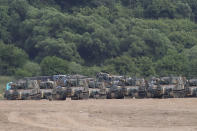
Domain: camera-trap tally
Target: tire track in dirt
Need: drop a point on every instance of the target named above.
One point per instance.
(16, 117)
(99, 115)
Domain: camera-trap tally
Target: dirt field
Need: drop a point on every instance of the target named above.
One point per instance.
(99, 115)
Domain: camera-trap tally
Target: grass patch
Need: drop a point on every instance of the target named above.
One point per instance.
(3, 81)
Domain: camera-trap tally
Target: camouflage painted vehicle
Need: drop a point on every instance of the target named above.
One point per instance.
(153, 89)
(107, 78)
(137, 88)
(192, 88)
(58, 93)
(23, 90)
(12, 93)
(60, 80)
(131, 92)
(103, 77)
(142, 88)
(172, 87)
(80, 91)
(129, 81)
(103, 93)
(179, 91)
(94, 93)
(116, 92)
(98, 93)
(92, 83)
(46, 88)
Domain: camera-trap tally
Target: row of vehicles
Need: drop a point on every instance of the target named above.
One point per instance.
(103, 86)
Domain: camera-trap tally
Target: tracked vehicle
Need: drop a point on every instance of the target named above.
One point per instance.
(100, 92)
(80, 91)
(153, 89)
(46, 88)
(192, 88)
(172, 87)
(23, 90)
(58, 93)
(135, 88)
(115, 92)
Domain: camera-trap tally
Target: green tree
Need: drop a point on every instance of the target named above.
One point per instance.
(54, 65)
(173, 63)
(146, 66)
(123, 65)
(161, 9)
(11, 58)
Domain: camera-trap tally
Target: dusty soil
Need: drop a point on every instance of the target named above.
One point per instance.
(99, 115)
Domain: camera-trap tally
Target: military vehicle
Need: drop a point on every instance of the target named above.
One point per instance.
(116, 92)
(58, 93)
(46, 88)
(11, 92)
(172, 87)
(100, 92)
(153, 89)
(191, 88)
(93, 83)
(94, 93)
(56, 89)
(23, 90)
(142, 87)
(103, 76)
(179, 91)
(135, 87)
(80, 91)
(131, 92)
(115, 79)
(60, 87)
(129, 81)
(60, 80)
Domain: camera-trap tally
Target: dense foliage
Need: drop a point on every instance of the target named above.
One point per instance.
(128, 37)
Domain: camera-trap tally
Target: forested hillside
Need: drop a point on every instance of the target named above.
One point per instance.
(127, 37)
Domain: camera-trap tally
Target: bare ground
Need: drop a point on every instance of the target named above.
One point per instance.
(99, 115)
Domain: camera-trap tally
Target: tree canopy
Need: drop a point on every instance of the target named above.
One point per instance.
(130, 37)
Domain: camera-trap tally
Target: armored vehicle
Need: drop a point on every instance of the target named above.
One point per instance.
(94, 93)
(172, 87)
(116, 92)
(129, 81)
(192, 88)
(46, 88)
(22, 90)
(79, 91)
(103, 77)
(153, 89)
(135, 87)
(60, 80)
(142, 87)
(93, 83)
(131, 92)
(59, 85)
(98, 93)
(58, 93)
